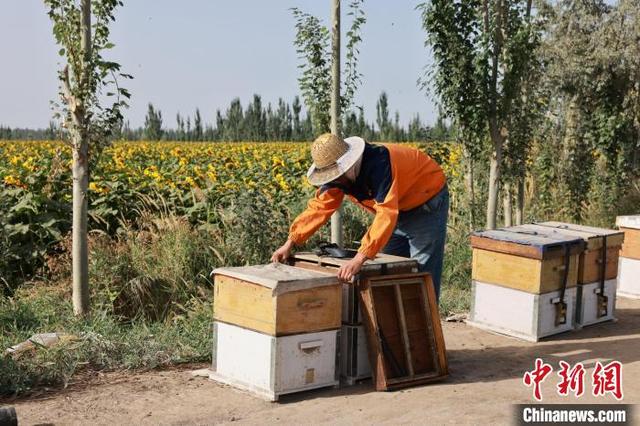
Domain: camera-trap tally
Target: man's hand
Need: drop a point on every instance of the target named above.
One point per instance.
(351, 268)
(282, 254)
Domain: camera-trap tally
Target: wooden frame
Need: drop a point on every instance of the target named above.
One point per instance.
(406, 344)
(382, 264)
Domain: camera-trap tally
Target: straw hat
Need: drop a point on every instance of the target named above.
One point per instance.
(332, 157)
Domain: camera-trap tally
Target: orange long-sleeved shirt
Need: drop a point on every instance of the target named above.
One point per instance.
(392, 178)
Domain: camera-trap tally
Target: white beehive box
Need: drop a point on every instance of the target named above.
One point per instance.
(518, 313)
(588, 309)
(354, 356)
(629, 278)
(629, 222)
(271, 366)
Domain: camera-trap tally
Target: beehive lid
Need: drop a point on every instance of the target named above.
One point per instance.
(370, 265)
(544, 243)
(591, 235)
(279, 277)
(632, 222)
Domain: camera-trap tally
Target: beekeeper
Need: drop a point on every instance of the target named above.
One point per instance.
(404, 187)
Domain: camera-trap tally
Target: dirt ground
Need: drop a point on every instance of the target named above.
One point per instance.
(486, 379)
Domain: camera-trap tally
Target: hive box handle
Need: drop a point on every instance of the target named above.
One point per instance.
(308, 346)
(312, 304)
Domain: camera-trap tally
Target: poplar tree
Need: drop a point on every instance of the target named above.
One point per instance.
(90, 109)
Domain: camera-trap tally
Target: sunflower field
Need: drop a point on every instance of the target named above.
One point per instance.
(192, 180)
(162, 215)
(275, 168)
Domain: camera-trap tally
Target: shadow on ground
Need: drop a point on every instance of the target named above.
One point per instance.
(488, 357)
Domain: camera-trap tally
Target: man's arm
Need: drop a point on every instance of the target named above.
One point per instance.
(319, 210)
(382, 226)
(386, 209)
(378, 234)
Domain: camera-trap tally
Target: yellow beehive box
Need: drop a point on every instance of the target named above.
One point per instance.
(535, 262)
(630, 225)
(277, 299)
(590, 267)
(629, 269)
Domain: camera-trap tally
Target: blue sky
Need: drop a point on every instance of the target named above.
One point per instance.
(203, 53)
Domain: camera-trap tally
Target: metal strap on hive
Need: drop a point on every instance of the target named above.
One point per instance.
(603, 300)
(561, 305)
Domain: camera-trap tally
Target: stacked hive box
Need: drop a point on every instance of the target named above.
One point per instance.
(629, 269)
(596, 295)
(354, 359)
(524, 282)
(276, 329)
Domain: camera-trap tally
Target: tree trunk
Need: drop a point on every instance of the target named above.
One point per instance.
(572, 148)
(520, 201)
(336, 219)
(471, 190)
(494, 130)
(80, 172)
(80, 251)
(507, 208)
(494, 182)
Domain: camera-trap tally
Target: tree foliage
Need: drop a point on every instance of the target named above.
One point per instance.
(483, 51)
(153, 124)
(87, 79)
(257, 122)
(453, 34)
(554, 86)
(312, 44)
(385, 127)
(591, 86)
